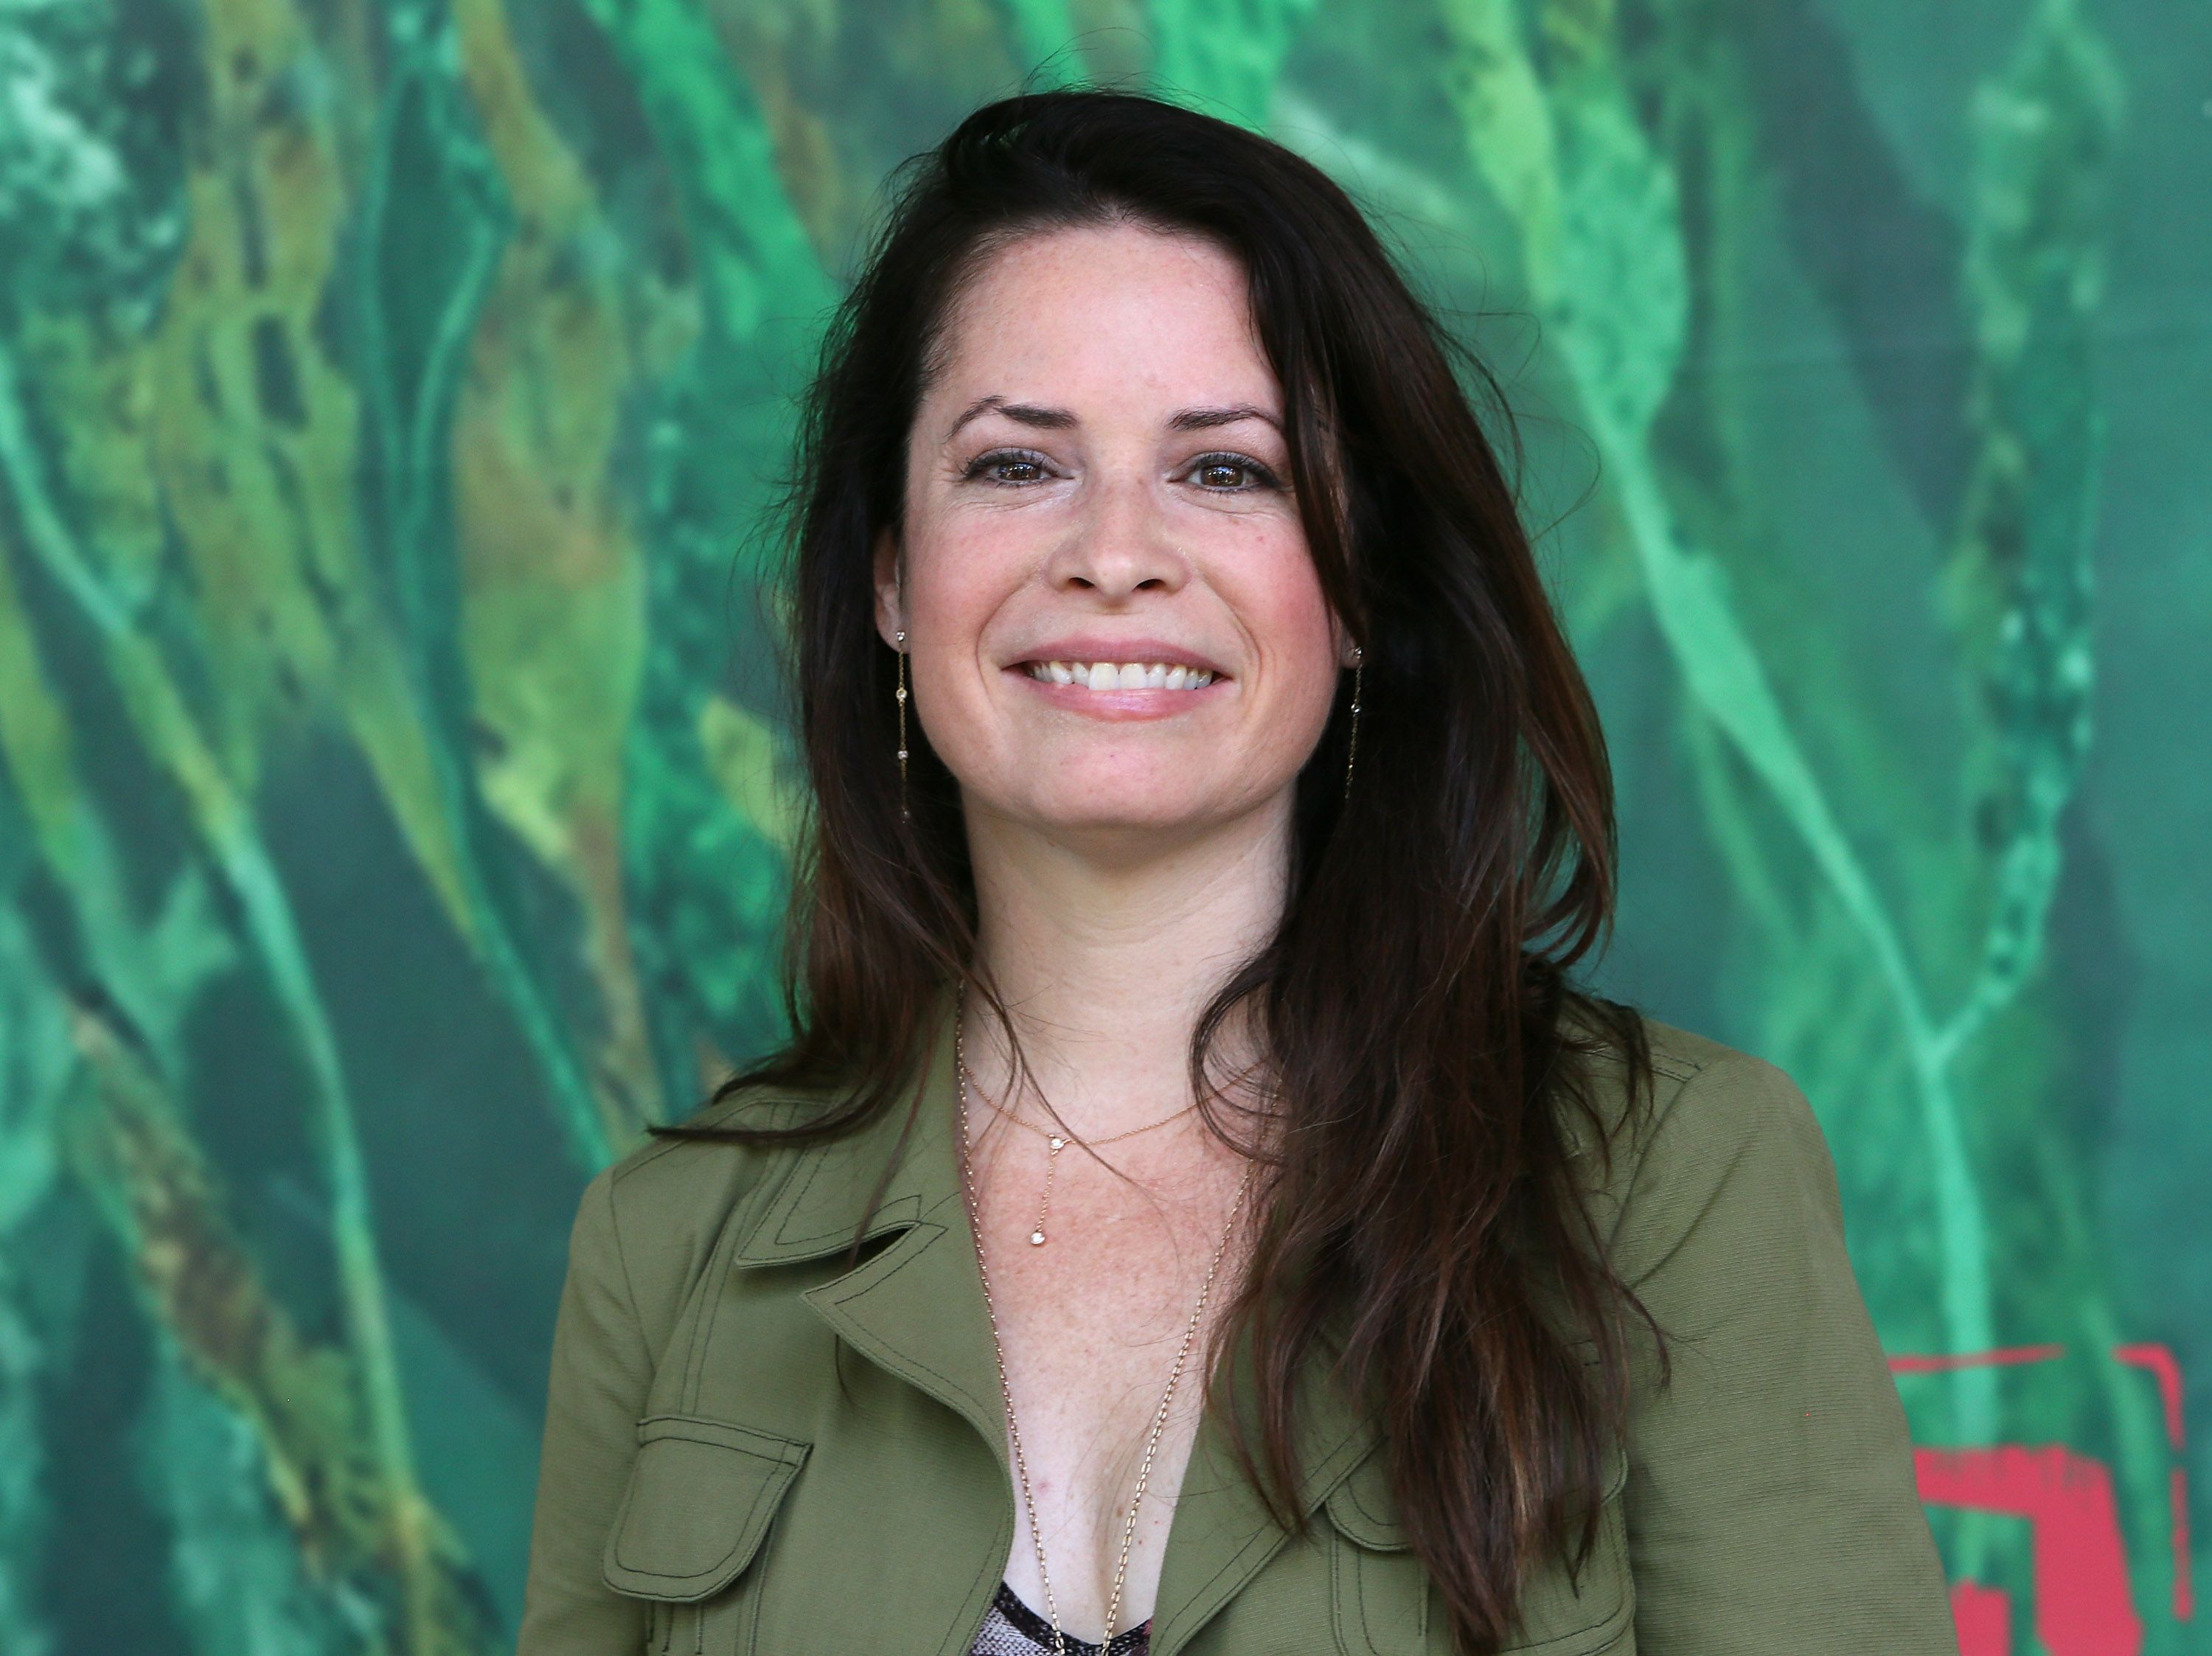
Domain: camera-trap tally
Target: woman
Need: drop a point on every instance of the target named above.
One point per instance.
(1195, 1208)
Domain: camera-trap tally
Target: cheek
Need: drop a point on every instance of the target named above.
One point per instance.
(1290, 616)
(953, 592)
(953, 580)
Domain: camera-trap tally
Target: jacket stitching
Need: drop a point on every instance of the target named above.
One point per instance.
(732, 1238)
(799, 1201)
(1339, 1592)
(837, 1233)
(959, 1632)
(786, 1451)
(985, 1570)
(757, 1220)
(703, 1331)
(884, 1218)
(1359, 1571)
(1235, 1559)
(622, 1266)
(776, 1484)
(1606, 1620)
(946, 1381)
(1350, 1488)
(1271, 1538)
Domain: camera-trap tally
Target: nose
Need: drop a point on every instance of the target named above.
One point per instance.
(1120, 546)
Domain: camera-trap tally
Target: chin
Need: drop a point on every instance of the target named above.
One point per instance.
(1124, 804)
(1124, 818)
(1168, 819)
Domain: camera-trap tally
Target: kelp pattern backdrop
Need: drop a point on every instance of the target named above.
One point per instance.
(395, 800)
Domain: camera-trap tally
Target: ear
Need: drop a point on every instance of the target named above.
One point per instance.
(890, 609)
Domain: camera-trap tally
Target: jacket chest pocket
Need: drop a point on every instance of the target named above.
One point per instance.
(702, 1496)
(1380, 1602)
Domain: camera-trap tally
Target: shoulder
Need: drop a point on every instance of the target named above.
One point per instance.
(1715, 1129)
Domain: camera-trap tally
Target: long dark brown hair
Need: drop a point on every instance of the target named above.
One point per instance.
(1426, 1044)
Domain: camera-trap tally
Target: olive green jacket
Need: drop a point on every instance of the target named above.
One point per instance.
(749, 1447)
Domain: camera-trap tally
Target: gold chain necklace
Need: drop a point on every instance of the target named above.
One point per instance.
(1006, 1390)
(1055, 1142)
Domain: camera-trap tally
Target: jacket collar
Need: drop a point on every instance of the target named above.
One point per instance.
(816, 1209)
(916, 1309)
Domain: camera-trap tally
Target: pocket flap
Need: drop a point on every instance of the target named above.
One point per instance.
(1592, 1610)
(699, 1500)
(1557, 1616)
(1361, 1507)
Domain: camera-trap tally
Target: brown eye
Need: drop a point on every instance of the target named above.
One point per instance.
(994, 466)
(1231, 474)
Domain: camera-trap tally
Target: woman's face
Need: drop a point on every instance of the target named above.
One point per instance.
(1114, 621)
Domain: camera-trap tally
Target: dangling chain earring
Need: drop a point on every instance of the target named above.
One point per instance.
(901, 722)
(1351, 747)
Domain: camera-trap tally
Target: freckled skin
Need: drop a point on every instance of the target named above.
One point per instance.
(1122, 860)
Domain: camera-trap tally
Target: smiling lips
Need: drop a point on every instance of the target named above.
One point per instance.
(1119, 675)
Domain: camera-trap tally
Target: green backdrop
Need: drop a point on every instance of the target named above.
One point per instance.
(393, 808)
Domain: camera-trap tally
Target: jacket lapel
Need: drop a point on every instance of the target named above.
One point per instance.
(1221, 1534)
(916, 1309)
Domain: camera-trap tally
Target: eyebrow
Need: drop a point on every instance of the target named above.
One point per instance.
(1044, 419)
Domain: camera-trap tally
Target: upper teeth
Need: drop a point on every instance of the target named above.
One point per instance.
(1120, 674)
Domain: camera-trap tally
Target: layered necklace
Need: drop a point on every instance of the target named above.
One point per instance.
(1054, 1143)
(998, 1350)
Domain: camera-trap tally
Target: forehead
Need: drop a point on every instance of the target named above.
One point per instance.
(1127, 314)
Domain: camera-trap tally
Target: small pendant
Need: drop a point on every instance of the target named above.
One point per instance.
(1052, 1143)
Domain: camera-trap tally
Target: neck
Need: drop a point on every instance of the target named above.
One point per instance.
(1106, 956)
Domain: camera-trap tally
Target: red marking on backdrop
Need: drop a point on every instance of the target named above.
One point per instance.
(1983, 1618)
(2159, 1360)
(2002, 1357)
(2082, 1603)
